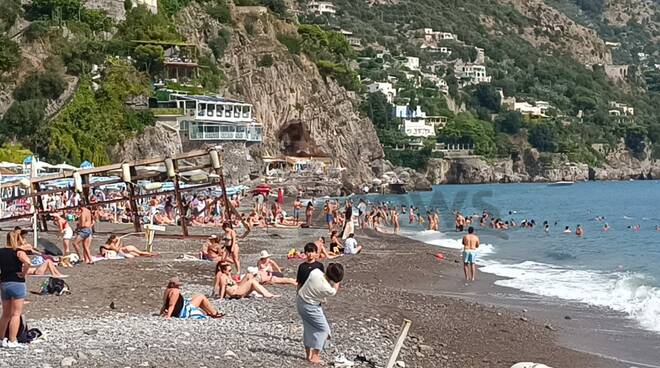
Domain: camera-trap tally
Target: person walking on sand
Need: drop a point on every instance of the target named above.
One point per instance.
(470, 245)
(85, 233)
(311, 295)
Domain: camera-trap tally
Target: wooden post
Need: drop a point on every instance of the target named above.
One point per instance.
(399, 343)
(134, 206)
(179, 200)
(39, 207)
(228, 206)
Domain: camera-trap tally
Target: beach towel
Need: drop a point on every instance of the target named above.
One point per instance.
(189, 311)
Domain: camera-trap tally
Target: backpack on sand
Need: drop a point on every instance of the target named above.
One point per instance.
(25, 335)
(55, 286)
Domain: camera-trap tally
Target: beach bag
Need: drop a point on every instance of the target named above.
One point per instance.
(55, 286)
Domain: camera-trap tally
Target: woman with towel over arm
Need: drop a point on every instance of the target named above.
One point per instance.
(310, 296)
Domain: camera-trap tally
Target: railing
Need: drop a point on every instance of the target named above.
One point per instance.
(166, 111)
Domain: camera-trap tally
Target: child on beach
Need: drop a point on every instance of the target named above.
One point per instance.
(310, 264)
(311, 295)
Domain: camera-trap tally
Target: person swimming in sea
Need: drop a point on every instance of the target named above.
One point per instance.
(546, 227)
(606, 227)
(567, 230)
(579, 231)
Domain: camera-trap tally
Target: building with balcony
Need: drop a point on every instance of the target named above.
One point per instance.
(468, 73)
(414, 122)
(385, 88)
(207, 118)
(319, 8)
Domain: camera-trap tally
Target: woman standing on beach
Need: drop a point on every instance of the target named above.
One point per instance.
(231, 245)
(309, 213)
(14, 265)
(310, 296)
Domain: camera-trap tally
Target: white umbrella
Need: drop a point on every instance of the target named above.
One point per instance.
(65, 166)
(9, 165)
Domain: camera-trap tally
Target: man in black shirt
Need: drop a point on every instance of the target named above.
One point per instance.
(311, 251)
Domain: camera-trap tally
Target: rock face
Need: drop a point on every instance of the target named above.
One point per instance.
(531, 168)
(302, 113)
(155, 141)
(583, 44)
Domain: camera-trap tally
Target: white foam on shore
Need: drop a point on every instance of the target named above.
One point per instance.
(625, 292)
(440, 239)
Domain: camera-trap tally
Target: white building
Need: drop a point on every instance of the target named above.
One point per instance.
(539, 109)
(417, 128)
(385, 88)
(206, 118)
(440, 83)
(468, 73)
(151, 5)
(321, 8)
(414, 122)
(622, 108)
(412, 63)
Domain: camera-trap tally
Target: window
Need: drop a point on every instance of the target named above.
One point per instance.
(201, 110)
(228, 111)
(237, 112)
(211, 110)
(220, 111)
(226, 132)
(211, 132)
(247, 112)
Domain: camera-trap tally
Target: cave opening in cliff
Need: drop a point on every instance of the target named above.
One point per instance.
(295, 140)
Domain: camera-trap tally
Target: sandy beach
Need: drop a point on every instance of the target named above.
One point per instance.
(394, 279)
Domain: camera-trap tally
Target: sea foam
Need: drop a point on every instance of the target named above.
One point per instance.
(626, 292)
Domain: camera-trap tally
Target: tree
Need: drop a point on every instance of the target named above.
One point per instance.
(10, 10)
(149, 58)
(544, 137)
(10, 54)
(46, 85)
(636, 140)
(23, 120)
(510, 122)
(488, 97)
(379, 111)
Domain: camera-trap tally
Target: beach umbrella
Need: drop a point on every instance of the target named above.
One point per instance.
(86, 165)
(65, 166)
(8, 165)
(27, 160)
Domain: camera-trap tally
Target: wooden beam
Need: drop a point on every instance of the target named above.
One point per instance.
(179, 201)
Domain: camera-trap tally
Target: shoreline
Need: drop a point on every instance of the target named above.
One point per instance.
(384, 285)
(581, 327)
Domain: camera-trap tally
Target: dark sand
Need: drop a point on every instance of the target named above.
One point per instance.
(454, 325)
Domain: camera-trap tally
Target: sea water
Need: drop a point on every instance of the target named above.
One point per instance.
(617, 269)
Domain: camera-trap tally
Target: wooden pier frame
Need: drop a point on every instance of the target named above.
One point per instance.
(139, 170)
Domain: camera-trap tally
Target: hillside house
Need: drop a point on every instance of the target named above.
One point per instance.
(319, 8)
(385, 88)
(538, 109)
(411, 62)
(469, 74)
(414, 122)
(618, 109)
(440, 83)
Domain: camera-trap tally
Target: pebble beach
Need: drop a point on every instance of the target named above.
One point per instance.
(110, 318)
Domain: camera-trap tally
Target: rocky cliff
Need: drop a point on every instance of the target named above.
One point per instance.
(553, 28)
(532, 168)
(303, 113)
